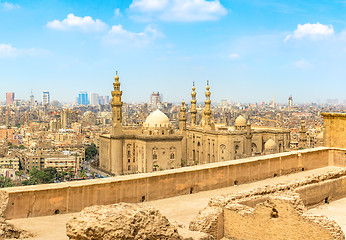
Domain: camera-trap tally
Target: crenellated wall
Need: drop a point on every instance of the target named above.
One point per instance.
(49, 199)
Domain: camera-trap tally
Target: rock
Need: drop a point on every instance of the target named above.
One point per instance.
(8, 231)
(209, 221)
(120, 221)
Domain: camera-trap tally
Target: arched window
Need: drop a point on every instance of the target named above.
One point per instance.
(172, 153)
(236, 147)
(155, 153)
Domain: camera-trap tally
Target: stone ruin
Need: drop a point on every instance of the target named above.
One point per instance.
(270, 212)
(277, 216)
(125, 221)
(8, 231)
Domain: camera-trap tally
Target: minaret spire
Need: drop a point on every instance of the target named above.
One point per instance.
(193, 109)
(207, 116)
(116, 106)
(182, 119)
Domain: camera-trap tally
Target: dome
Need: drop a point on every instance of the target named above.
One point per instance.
(270, 145)
(157, 119)
(240, 121)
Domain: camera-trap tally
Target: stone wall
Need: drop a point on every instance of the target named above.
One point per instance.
(275, 212)
(334, 134)
(49, 199)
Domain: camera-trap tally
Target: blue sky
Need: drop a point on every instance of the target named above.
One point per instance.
(249, 50)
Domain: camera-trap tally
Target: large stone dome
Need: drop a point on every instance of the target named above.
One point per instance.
(270, 145)
(157, 119)
(240, 121)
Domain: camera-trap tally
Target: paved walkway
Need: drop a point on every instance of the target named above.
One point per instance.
(181, 209)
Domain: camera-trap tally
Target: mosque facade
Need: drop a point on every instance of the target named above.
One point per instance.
(158, 146)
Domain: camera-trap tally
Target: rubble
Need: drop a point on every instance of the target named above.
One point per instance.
(121, 221)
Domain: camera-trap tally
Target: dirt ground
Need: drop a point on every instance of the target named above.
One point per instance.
(181, 209)
(335, 210)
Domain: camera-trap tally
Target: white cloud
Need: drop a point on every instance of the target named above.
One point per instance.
(313, 31)
(8, 51)
(303, 64)
(84, 24)
(118, 34)
(8, 6)
(149, 5)
(117, 12)
(178, 10)
(233, 55)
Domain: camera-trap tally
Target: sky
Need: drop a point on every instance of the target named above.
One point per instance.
(249, 50)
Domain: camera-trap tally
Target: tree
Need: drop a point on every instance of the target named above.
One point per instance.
(48, 175)
(91, 152)
(5, 182)
(83, 175)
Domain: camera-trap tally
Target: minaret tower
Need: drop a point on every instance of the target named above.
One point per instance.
(207, 115)
(182, 119)
(193, 109)
(117, 107)
(248, 141)
(207, 109)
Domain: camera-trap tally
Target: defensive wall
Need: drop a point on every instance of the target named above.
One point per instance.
(58, 198)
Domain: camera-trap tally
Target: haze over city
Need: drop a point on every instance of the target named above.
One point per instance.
(249, 50)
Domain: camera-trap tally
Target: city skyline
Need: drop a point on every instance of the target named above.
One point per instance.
(249, 50)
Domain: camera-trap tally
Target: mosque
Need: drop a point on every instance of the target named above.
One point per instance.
(158, 146)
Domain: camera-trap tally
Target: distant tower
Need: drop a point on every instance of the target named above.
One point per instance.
(193, 109)
(182, 119)
(83, 98)
(9, 98)
(94, 99)
(32, 99)
(117, 106)
(273, 103)
(45, 98)
(290, 101)
(155, 99)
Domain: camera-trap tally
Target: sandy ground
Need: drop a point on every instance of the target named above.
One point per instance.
(335, 210)
(181, 209)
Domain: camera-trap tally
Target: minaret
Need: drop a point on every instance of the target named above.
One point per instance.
(207, 109)
(207, 115)
(193, 109)
(117, 107)
(248, 136)
(182, 119)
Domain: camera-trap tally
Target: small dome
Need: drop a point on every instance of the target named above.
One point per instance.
(270, 145)
(157, 119)
(240, 121)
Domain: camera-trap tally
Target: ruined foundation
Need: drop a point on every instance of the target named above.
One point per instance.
(275, 212)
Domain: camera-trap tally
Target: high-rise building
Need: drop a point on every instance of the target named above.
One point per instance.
(94, 99)
(32, 99)
(104, 100)
(9, 98)
(83, 98)
(290, 101)
(45, 98)
(155, 99)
